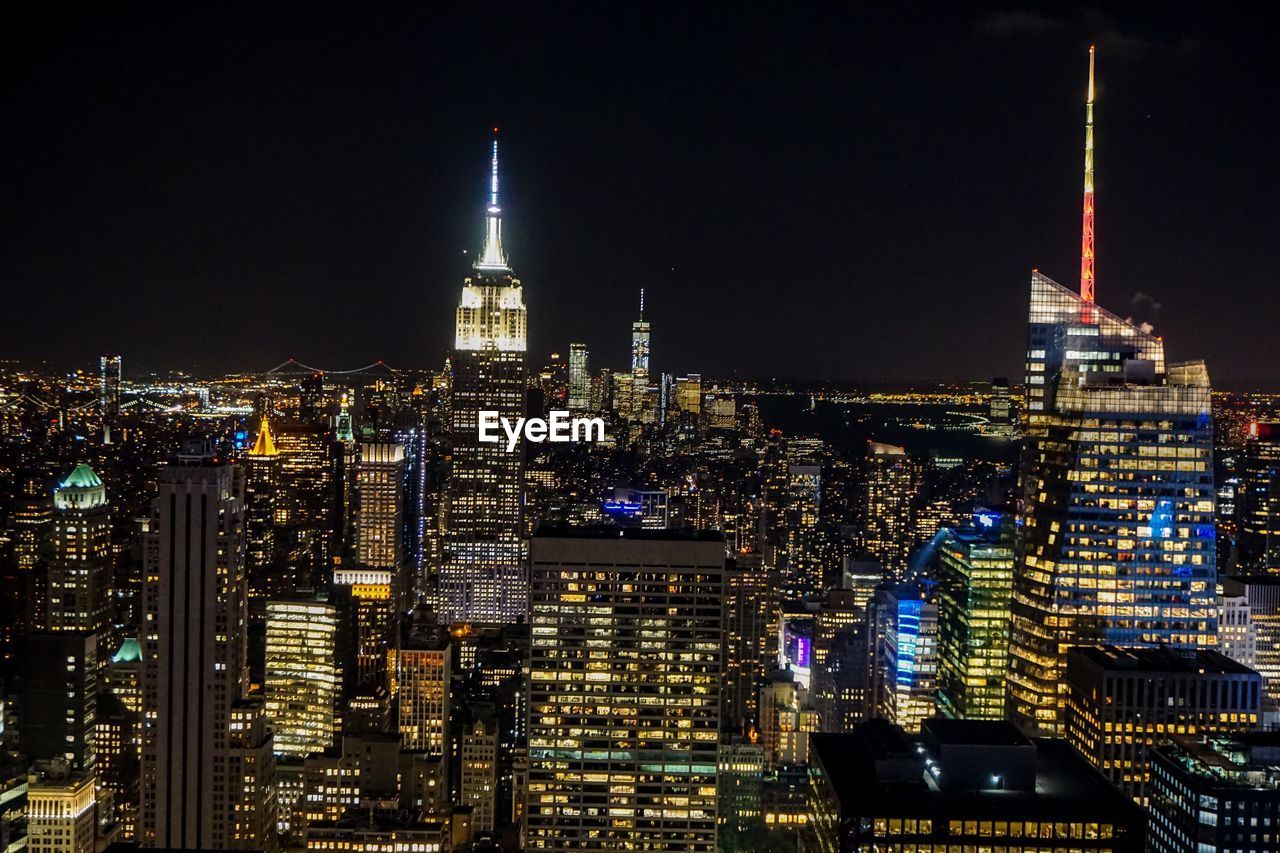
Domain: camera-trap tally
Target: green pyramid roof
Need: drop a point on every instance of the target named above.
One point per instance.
(129, 652)
(81, 478)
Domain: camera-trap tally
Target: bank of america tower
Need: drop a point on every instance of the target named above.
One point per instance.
(1116, 497)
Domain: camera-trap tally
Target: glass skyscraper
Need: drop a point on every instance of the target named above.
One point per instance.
(1116, 499)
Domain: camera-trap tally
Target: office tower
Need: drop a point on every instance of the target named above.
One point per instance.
(891, 491)
(309, 500)
(1117, 539)
(194, 651)
(1000, 412)
(109, 373)
(1262, 596)
(1236, 636)
(380, 505)
(1217, 792)
(27, 593)
(638, 403)
(841, 661)
(116, 740)
(804, 574)
(123, 675)
(478, 782)
(302, 683)
(263, 516)
(1116, 490)
(80, 560)
(368, 622)
(423, 675)
(365, 769)
(60, 809)
(482, 576)
(579, 378)
(1121, 701)
(740, 786)
(624, 669)
(975, 586)
(964, 785)
(904, 645)
(58, 673)
(688, 394)
(786, 720)
(251, 779)
(1258, 500)
(751, 615)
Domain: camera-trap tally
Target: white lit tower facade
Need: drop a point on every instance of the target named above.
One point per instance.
(579, 378)
(1116, 494)
(482, 575)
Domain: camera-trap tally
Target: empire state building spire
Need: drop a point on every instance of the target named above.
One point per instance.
(1086, 240)
(493, 259)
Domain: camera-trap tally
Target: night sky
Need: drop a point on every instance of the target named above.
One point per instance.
(856, 194)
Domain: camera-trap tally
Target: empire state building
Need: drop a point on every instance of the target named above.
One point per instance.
(482, 576)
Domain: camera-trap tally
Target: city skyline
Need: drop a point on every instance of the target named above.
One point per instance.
(958, 205)
(781, 596)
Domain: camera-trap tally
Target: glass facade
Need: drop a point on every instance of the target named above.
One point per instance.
(624, 692)
(1116, 499)
(975, 586)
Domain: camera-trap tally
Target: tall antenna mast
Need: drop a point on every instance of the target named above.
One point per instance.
(1087, 277)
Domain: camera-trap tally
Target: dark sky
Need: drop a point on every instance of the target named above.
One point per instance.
(857, 193)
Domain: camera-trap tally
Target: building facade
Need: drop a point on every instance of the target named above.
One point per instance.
(1116, 499)
(303, 684)
(482, 577)
(1120, 702)
(624, 690)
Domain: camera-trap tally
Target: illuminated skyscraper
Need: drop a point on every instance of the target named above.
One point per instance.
(59, 700)
(194, 651)
(1117, 537)
(80, 561)
(751, 613)
(643, 403)
(1122, 701)
(109, 375)
(624, 690)
(579, 378)
(975, 585)
(423, 675)
(482, 577)
(891, 489)
(308, 508)
(251, 779)
(1116, 492)
(263, 515)
(1258, 500)
(367, 611)
(804, 570)
(1261, 594)
(302, 680)
(60, 810)
(478, 777)
(904, 644)
(380, 506)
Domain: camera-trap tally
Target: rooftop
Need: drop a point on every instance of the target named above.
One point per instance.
(1160, 659)
(81, 477)
(877, 770)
